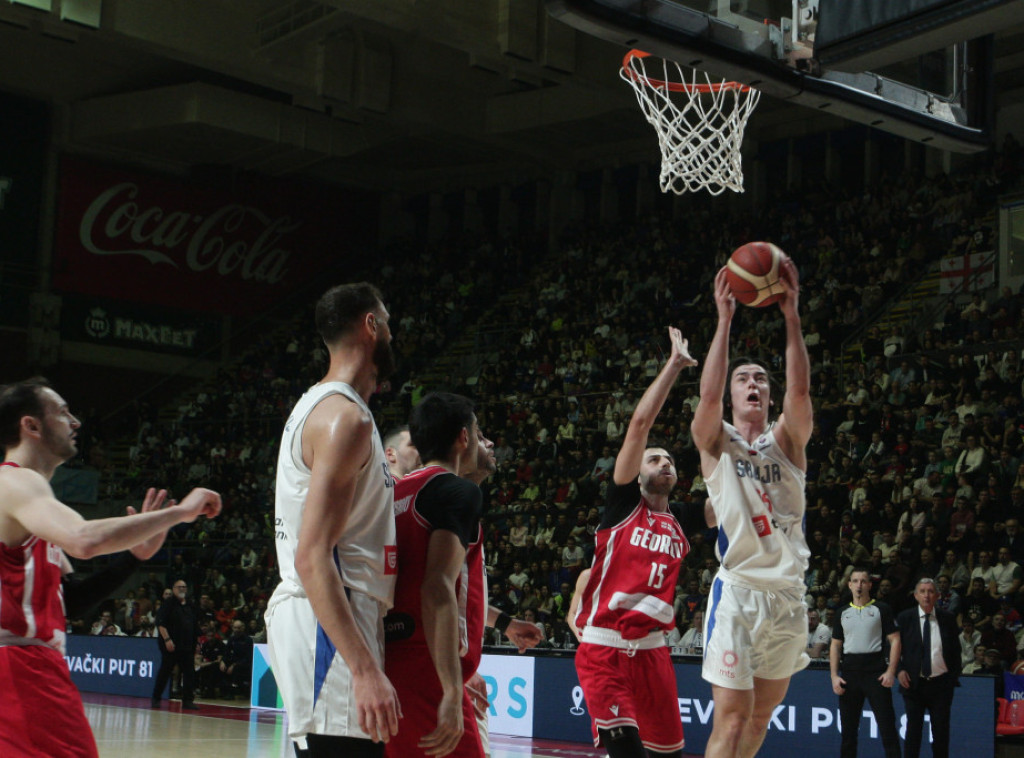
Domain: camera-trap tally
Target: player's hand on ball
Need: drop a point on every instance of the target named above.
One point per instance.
(725, 301)
(790, 280)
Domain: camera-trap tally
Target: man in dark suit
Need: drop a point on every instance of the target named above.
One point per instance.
(929, 668)
(179, 631)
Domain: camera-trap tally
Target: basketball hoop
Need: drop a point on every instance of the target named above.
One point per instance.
(701, 135)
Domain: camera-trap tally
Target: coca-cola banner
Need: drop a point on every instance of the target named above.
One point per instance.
(133, 236)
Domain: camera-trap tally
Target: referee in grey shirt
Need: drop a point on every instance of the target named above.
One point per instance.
(858, 638)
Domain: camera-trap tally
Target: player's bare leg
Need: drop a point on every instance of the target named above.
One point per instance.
(733, 710)
(768, 693)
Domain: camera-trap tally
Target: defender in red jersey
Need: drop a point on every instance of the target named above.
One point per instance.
(437, 516)
(403, 458)
(435, 628)
(37, 432)
(626, 607)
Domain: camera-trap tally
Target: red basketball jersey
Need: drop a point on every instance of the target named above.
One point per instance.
(404, 622)
(633, 580)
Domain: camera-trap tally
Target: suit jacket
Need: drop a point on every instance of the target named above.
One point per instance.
(910, 637)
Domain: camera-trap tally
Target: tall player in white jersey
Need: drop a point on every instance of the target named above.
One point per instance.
(335, 535)
(755, 629)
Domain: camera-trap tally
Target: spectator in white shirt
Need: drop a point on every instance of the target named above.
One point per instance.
(971, 460)
(969, 639)
(692, 642)
(819, 636)
(1006, 575)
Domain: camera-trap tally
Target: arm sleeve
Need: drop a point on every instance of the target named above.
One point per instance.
(690, 516)
(622, 501)
(452, 504)
(81, 593)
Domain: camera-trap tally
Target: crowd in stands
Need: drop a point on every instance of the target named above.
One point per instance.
(914, 467)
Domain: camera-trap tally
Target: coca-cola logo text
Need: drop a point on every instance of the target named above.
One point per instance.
(234, 240)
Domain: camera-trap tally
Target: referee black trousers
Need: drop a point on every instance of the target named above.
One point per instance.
(861, 685)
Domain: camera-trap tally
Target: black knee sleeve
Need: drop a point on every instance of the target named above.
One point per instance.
(622, 742)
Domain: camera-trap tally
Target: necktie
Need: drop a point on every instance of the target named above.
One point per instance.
(926, 652)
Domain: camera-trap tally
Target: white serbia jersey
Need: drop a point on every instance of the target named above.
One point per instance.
(758, 497)
(366, 555)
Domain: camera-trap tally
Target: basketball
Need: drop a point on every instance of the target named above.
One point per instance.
(1017, 667)
(753, 274)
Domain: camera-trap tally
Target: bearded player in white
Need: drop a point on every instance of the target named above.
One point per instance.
(335, 537)
(755, 628)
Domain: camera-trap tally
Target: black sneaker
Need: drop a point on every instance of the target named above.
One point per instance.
(154, 703)
(189, 707)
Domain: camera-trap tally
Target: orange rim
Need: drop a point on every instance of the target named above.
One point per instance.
(627, 66)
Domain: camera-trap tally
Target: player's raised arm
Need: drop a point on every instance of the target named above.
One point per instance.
(797, 419)
(707, 419)
(627, 464)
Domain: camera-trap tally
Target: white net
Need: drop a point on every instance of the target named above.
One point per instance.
(700, 131)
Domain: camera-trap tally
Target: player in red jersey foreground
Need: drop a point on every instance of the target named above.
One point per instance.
(41, 712)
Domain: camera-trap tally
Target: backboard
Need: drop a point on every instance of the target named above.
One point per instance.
(921, 69)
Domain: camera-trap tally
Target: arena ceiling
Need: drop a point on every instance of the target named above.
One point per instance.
(384, 94)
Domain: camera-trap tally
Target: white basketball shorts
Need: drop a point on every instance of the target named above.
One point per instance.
(315, 683)
(753, 633)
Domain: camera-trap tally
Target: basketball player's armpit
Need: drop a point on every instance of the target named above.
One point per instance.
(82, 593)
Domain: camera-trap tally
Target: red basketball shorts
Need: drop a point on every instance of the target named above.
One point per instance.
(636, 690)
(41, 713)
(419, 691)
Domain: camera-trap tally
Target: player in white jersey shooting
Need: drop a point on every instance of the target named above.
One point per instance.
(756, 624)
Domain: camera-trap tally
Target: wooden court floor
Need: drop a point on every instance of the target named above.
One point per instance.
(126, 727)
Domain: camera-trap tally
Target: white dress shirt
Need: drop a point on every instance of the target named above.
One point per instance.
(938, 662)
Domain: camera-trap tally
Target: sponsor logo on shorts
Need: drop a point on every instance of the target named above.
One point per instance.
(729, 661)
(398, 626)
(761, 524)
(390, 560)
(614, 709)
